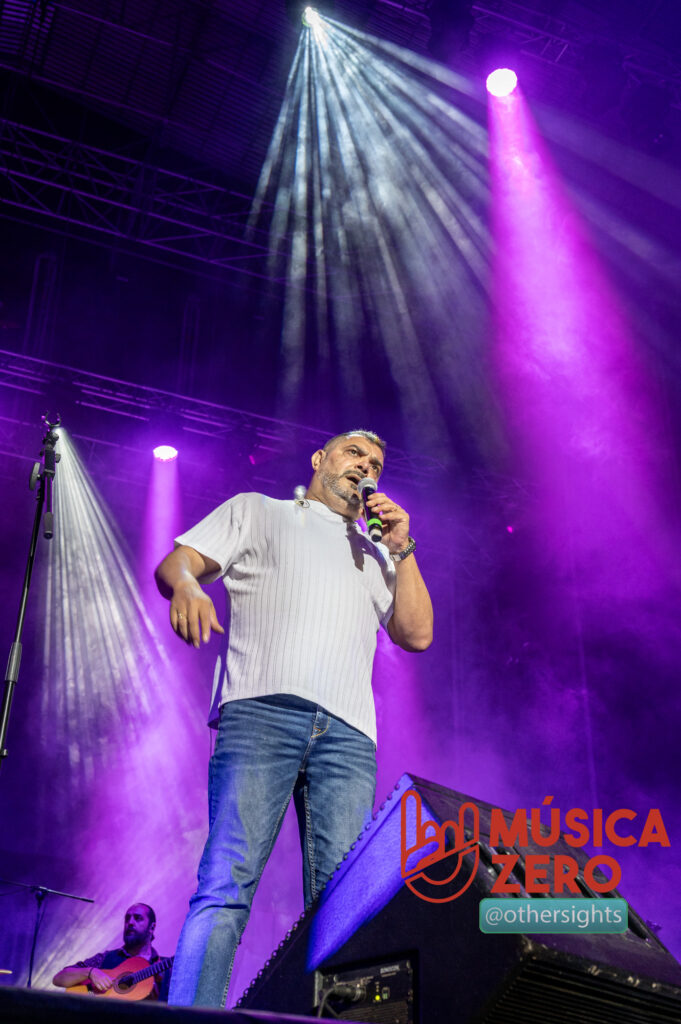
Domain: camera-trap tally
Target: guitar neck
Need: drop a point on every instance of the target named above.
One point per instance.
(158, 967)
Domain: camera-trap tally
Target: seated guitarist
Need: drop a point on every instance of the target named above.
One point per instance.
(138, 932)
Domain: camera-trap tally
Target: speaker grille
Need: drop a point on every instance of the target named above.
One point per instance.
(543, 993)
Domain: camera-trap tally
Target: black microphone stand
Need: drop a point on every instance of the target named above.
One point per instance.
(42, 473)
(41, 893)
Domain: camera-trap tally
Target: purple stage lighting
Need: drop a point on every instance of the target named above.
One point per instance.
(165, 453)
(502, 82)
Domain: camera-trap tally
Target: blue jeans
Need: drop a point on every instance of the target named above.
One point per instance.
(267, 750)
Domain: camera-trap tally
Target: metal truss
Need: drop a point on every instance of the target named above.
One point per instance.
(536, 34)
(102, 192)
(109, 421)
(100, 412)
(559, 41)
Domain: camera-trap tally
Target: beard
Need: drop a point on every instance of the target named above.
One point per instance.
(343, 488)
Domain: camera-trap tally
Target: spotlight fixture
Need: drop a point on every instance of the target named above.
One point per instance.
(165, 453)
(501, 82)
(311, 18)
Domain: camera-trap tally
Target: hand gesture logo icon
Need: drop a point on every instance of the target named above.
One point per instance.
(425, 843)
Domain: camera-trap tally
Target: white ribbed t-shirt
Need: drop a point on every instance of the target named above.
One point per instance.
(307, 593)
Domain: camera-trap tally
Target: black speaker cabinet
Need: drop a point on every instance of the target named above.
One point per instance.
(367, 922)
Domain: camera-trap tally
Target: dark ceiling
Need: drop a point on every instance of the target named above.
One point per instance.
(205, 78)
(142, 126)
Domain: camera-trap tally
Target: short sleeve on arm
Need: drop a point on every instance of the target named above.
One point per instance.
(219, 535)
(93, 961)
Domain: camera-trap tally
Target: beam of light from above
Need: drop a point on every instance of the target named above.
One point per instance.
(161, 522)
(501, 82)
(165, 453)
(377, 185)
(643, 260)
(566, 355)
(115, 712)
(581, 405)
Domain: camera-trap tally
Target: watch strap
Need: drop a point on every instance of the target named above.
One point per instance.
(399, 556)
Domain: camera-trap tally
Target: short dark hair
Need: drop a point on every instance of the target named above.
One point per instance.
(369, 434)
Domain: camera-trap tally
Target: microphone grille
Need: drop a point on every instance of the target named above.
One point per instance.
(366, 486)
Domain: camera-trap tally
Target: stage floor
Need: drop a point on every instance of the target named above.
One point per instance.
(24, 1006)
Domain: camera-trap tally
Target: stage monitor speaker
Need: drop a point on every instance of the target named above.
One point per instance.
(367, 920)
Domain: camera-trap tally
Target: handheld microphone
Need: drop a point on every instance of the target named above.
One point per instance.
(366, 487)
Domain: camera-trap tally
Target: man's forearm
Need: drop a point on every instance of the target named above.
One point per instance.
(69, 976)
(192, 613)
(182, 564)
(411, 625)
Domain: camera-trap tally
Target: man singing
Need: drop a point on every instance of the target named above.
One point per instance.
(307, 592)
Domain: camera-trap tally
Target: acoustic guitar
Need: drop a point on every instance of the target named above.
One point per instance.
(132, 979)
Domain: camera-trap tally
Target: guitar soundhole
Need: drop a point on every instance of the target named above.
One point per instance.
(124, 983)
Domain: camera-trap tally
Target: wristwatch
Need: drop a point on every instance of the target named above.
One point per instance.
(399, 556)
